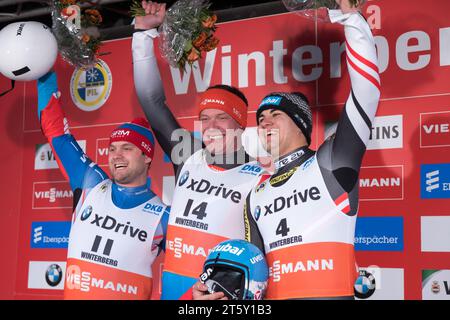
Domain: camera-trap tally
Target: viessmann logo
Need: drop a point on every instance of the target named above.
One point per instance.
(52, 195)
(435, 181)
(278, 269)
(435, 129)
(181, 248)
(381, 183)
(45, 159)
(77, 279)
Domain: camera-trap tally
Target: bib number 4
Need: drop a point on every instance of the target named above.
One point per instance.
(282, 228)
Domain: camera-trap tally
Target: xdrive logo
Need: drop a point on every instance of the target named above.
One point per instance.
(295, 199)
(204, 186)
(109, 223)
(435, 181)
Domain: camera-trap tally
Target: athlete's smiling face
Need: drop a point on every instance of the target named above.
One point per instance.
(128, 164)
(278, 133)
(220, 132)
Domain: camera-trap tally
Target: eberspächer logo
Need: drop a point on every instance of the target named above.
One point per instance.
(435, 181)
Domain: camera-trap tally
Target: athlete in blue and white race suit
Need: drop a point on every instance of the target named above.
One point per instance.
(118, 224)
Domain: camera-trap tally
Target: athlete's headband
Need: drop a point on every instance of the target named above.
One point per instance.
(226, 101)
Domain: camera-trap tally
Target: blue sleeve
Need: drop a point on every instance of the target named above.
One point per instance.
(164, 224)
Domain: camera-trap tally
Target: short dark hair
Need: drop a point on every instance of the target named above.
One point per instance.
(231, 89)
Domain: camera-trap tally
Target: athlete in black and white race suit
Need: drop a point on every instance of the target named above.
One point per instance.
(209, 195)
(303, 217)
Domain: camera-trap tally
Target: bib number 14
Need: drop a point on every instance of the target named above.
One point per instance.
(199, 211)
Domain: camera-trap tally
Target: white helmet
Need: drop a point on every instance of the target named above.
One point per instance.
(28, 50)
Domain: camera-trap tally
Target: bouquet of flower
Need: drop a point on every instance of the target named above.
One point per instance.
(76, 32)
(307, 8)
(186, 32)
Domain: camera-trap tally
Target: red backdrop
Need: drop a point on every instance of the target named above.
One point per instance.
(273, 53)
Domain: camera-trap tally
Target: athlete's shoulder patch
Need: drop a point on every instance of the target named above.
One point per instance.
(308, 162)
(262, 183)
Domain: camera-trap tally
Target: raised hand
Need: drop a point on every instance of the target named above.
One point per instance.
(154, 15)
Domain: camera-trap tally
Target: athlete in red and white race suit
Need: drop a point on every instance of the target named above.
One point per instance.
(118, 224)
(303, 217)
(211, 182)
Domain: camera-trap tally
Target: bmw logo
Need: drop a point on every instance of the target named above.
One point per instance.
(364, 285)
(86, 213)
(53, 275)
(257, 212)
(184, 178)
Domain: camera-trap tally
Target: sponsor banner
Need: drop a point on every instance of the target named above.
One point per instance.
(375, 283)
(379, 234)
(53, 234)
(435, 234)
(386, 133)
(186, 252)
(435, 181)
(381, 183)
(52, 195)
(102, 149)
(45, 159)
(46, 275)
(436, 284)
(435, 129)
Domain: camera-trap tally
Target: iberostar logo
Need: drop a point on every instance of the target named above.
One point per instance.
(90, 88)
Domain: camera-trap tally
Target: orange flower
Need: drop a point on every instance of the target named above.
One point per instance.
(193, 55)
(210, 21)
(85, 38)
(94, 16)
(200, 40)
(210, 44)
(68, 2)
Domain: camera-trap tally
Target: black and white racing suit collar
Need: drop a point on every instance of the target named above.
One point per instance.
(293, 159)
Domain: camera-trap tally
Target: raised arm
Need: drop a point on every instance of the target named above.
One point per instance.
(74, 164)
(343, 153)
(149, 87)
